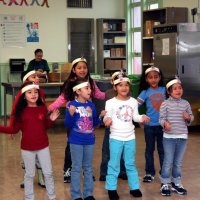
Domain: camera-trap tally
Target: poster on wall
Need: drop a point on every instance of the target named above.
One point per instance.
(13, 30)
(32, 30)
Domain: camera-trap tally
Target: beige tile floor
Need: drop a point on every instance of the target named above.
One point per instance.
(11, 173)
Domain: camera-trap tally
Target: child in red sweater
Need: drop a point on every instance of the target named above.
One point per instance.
(31, 117)
(32, 77)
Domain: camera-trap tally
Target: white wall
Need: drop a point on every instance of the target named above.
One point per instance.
(53, 26)
(182, 3)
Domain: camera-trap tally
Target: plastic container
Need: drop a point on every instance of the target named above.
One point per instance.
(135, 81)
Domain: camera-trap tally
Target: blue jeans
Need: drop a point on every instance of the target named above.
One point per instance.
(174, 149)
(82, 156)
(117, 148)
(153, 134)
(106, 155)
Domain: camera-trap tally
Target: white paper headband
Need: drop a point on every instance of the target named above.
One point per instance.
(28, 74)
(115, 74)
(121, 80)
(79, 86)
(78, 60)
(172, 82)
(28, 87)
(152, 69)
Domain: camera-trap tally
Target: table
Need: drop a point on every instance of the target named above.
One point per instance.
(14, 88)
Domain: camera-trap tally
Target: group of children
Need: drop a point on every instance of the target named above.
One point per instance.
(165, 123)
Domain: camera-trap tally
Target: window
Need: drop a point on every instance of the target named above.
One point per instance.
(151, 4)
(79, 3)
(134, 27)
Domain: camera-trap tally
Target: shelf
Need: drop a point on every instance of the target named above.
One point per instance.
(115, 44)
(148, 64)
(111, 45)
(114, 32)
(148, 38)
(122, 57)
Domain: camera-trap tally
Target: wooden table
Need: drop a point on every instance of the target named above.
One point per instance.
(13, 88)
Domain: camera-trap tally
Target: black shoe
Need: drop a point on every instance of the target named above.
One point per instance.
(123, 176)
(67, 176)
(22, 185)
(41, 185)
(102, 178)
(148, 178)
(89, 198)
(136, 193)
(165, 190)
(178, 188)
(113, 195)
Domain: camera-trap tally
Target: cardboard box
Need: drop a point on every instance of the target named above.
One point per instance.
(106, 53)
(112, 64)
(66, 68)
(53, 77)
(120, 39)
(105, 41)
(118, 52)
(105, 27)
(124, 27)
(112, 52)
(148, 28)
(124, 64)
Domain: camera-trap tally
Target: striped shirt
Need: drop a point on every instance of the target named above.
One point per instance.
(171, 110)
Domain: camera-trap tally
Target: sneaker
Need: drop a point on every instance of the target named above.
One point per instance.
(22, 185)
(102, 178)
(113, 195)
(165, 191)
(148, 178)
(67, 176)
(41, 181)
(89, 198)
(42, 184)
(123, 176)
(178, 188)
(136, 193)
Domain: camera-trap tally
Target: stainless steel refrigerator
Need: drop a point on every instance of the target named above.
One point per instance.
(177, 52)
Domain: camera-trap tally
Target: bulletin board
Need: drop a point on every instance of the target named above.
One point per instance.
(13, 32)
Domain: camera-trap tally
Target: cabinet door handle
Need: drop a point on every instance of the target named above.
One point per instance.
(183, 69)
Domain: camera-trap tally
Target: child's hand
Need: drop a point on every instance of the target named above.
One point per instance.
(186, 116)
(103, 113)
(72, 110)
(54, 115)
(167, 126)
(145, 119)
(108, 122)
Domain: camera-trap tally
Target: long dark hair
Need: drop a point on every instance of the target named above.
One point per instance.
(72, 76)
(22, 103)
(143, 85)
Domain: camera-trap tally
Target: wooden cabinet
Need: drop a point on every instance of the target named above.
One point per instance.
(155, 17)
(111, 46)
